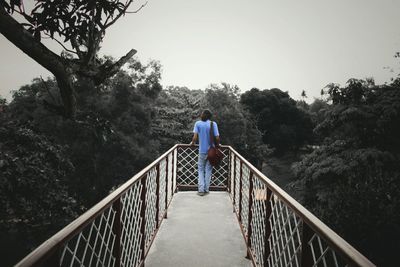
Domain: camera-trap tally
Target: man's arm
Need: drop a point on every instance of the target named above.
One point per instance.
(217, 140)
(194, 139)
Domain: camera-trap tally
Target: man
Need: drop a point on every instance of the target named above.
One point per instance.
(201, 132)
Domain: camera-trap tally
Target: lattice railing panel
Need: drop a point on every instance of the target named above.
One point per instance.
(237, 185)
(151, 209)
(323, 255)
(285, 239)
(245, 197)
(187, 167)
(169, 177)
(220, 173)
(162, 192)
(130, 226)
(232, 172)
(258, 222)
(94, 245)
(175, 173)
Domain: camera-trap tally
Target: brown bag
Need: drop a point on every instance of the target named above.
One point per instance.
(214, 155)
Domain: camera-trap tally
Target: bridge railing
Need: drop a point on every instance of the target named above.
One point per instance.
(278, 230)
(120, 229)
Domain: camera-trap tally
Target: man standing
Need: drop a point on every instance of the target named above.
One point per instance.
(202, 133)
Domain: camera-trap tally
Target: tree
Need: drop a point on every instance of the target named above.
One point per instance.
(79, 27)
(236, 126)
(283, 125)
(352, 181)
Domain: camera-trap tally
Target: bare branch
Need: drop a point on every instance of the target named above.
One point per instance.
(65, 48)
(137, 10)
(128, 3)
(108, 71)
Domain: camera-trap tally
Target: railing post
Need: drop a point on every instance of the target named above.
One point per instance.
(176, 171)
(234, 182)
(157, 194)
(143, 217)
(117, 231)
(240, 190)
(250, 217)
(166, 187)
(306, 254)
(268, 226)
(228, 180)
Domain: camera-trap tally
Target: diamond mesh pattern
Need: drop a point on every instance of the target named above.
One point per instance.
(322, 254)
(232, 170)
(131, 222)
(245, 197)
(175, 173)
(285, 240)
(94, 245)
(187, 167)
(163, 175)
(237, 185)
(169, 177)
(151, 209)
(259, 209)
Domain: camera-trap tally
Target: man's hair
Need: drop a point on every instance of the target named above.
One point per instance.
(206, 115)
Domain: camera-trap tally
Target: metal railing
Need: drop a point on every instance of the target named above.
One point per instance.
(120, 229)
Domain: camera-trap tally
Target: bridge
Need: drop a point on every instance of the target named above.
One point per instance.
(156, 219)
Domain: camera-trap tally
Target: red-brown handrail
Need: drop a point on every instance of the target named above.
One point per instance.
(311, 224)
(46, 249)
(353, 257)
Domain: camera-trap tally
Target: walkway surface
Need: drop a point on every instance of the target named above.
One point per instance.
(199, 232)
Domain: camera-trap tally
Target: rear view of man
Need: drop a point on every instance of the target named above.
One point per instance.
(202, 133)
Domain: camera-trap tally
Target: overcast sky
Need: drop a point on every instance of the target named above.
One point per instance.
(292, 45)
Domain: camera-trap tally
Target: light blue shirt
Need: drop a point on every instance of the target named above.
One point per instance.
(202, 128)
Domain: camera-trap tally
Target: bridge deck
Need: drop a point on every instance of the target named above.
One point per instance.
(199, 231)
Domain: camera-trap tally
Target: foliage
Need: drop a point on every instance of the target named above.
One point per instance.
(34, 196)
(236, 126)
(79, 27)
(352, 181)
(284, 126)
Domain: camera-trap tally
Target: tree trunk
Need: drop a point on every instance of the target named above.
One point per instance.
(22, 39)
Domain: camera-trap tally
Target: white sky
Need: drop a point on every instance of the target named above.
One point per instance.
(292, 45)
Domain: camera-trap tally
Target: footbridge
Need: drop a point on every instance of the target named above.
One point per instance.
(157, 219)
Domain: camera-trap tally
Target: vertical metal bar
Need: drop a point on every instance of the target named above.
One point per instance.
(306, 254)
(250, 217)
(240, 190)
(158, 194)
(143, 218)
(228, 180)
(268, 226)
(176, 171)
(117, 231)
(234, 182)
(166, 186)
(174, 168)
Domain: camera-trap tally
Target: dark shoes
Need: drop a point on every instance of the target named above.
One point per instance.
(202, 193)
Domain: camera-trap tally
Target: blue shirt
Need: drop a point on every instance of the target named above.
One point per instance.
(202, 128)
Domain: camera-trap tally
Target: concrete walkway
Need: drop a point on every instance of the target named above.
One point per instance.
(199, 232)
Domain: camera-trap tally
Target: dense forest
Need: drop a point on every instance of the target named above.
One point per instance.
(68, 141)
(54, 168)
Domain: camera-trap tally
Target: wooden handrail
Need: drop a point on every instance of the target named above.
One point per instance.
(334, 240)
(47, 248)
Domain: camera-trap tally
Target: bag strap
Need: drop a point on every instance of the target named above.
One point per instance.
(211, 134)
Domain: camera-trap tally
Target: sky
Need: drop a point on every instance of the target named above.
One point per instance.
(292, 45)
